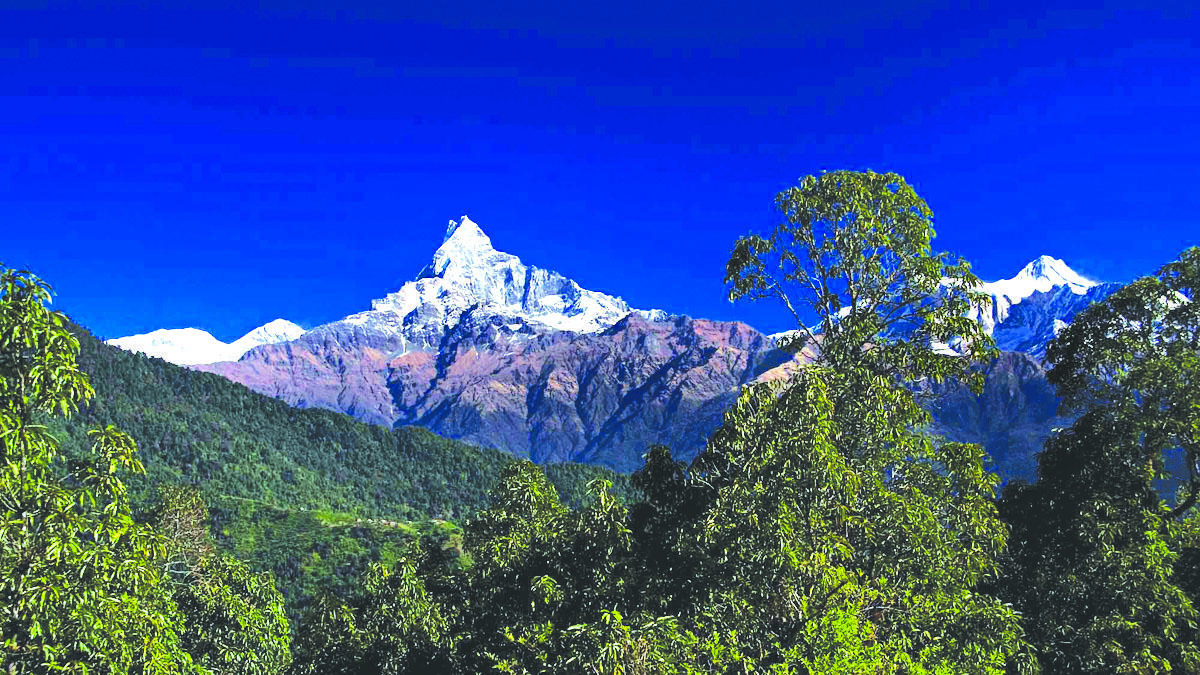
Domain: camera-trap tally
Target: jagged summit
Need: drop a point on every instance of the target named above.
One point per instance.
(1041, 275)
(465, 229)
(464, 246)
(467, 273)
(1025, 312)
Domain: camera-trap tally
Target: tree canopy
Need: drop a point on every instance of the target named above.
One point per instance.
(1101, 567)
(855, 250)
(83, 587)
(821, 530)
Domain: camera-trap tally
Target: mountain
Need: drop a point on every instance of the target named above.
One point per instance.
(1011, 417)
(599, 398)
(1031, 324)
(1025, 312)
(482, 347)
(190, 346)
(485, 348)
(311, 495)
(468, 275)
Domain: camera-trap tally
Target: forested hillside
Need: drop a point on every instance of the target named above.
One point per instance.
(198, 428)
(311, 495)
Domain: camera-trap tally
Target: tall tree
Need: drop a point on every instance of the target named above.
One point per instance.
(858, 515)
(855, 250)
(82, 587)
(1101, 567)
(1137, 355)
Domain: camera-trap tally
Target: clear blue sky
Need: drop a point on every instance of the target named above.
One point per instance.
(223, 164)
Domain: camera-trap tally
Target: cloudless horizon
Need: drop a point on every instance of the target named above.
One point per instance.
(225, 164)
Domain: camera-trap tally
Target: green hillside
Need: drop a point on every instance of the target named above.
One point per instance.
(311, 495)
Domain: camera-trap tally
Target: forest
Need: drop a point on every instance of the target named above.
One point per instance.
(160, 520)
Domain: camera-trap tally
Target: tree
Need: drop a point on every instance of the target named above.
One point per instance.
(233, 620)
(1101, 567)
(1137, 355)
(855, 249)
(815, 479)
(82, 588)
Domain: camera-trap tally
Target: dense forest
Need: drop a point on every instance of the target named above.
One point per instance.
(820, 531)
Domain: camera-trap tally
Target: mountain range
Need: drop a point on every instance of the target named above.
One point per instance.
(484, 348)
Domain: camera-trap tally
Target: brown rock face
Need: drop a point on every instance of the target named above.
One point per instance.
(599, 398)
(549, 396)
(1012, 417)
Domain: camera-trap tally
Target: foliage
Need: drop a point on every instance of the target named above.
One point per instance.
(855, 250)
(1100, 566)
(1137, 355)
(832, 466)
(313, 552)
(833, 557)
(234, 620)
(86, 588)
(83, 589)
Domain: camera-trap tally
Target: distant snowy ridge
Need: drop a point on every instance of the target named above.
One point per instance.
(1025, 312)
(466, 278)
(192, 346)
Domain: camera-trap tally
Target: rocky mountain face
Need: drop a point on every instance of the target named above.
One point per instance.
(1029, 326)
(1011, 417)
(601, 398)
(484, 348)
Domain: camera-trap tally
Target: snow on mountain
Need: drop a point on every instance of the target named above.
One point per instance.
(468, 274)
(1025, 312)
(1043, 275)
(279, 330)
(192, 346)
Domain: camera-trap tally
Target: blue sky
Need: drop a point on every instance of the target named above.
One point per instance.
(222, 164)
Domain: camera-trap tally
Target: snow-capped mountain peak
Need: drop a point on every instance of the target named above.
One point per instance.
(468, 273)
(279, 330)
(1043, 274)
(465, 275)
(464, 247)
(192, 346)
(1026, 311)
